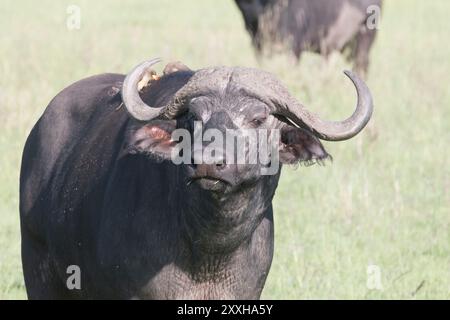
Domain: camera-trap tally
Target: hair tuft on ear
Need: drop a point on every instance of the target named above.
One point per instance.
(300, 147)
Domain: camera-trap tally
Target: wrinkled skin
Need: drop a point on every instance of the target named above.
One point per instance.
(320, 26)
(97, 191)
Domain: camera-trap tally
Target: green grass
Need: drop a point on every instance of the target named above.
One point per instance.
(383, 201)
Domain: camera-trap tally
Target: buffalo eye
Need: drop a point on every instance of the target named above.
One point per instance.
(258, 121)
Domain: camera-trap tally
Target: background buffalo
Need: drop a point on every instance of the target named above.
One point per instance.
(320, 26)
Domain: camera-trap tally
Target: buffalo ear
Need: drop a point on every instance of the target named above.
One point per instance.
(298, 145)
(153, 138)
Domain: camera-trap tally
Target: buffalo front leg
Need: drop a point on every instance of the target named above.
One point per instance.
(364, 42)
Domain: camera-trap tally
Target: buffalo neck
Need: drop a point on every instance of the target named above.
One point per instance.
(218, 224)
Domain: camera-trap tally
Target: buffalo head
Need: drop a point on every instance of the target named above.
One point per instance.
(223, 99)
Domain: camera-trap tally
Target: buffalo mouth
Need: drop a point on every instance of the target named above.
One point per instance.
(209, 183)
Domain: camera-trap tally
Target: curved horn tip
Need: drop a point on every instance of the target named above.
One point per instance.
(357, 80)
(352, 75)
(360, 84)
(137, 108)
(148, 63)
(154, 60)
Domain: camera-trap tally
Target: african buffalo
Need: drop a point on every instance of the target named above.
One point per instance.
(99, 191)
(321, 26)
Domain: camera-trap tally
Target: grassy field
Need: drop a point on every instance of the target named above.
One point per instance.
(383, 202)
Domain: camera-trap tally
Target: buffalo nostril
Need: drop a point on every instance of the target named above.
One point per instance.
(220, 166)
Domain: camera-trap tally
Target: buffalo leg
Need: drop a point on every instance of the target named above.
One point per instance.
(364, 42)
